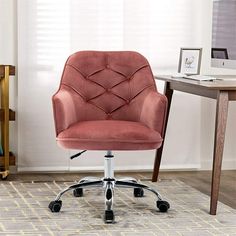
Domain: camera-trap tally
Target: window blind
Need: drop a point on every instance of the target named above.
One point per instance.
(157, 29)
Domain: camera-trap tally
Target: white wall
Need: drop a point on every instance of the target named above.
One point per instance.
(189, 138)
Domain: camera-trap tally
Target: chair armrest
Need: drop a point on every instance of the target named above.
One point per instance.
(153, 113)
(64, 110)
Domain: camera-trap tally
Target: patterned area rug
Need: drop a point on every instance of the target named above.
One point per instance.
(24, 211)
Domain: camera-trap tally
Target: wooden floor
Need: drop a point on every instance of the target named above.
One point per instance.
(200, 180)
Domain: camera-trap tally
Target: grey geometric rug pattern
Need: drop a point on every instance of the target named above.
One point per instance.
(24, 211)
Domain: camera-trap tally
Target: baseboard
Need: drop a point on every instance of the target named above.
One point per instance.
(42, 169)
(205, 165)
(101, 168)
(227, 164)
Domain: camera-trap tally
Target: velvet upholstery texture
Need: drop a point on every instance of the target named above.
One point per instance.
(108, 101)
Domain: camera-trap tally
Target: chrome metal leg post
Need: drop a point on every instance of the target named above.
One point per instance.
(129, 179)
(98, 183)
(127, 184)
(109, 182)
(89, 179)
(109, 166)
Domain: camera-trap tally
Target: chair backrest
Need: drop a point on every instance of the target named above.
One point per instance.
(108, 85)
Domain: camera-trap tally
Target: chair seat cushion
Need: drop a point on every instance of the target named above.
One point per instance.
(109, 135)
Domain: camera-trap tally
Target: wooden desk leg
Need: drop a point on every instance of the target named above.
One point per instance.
(168, 93)
(220, 126)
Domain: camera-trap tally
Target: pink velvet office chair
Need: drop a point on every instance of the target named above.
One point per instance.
(108, 101)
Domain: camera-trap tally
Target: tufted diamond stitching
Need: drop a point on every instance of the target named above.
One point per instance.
(102, 78)
(107, 83)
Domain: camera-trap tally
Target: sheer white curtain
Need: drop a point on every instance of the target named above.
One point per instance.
(50, 30)
(55, 28)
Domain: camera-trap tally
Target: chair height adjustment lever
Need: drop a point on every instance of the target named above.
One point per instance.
(77, 154)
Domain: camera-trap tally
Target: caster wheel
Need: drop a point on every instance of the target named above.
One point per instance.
(138, 192)
(163, 206)
(78, 192)
(109, 217)
(55, 206)
(4, 177)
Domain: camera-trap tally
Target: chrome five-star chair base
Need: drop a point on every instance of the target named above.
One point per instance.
(108, 183)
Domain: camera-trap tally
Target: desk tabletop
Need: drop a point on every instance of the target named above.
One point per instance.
(223, 82)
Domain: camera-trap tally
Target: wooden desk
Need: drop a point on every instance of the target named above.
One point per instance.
(221, 90)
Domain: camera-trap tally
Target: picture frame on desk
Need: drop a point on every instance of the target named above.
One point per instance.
(190, 61)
